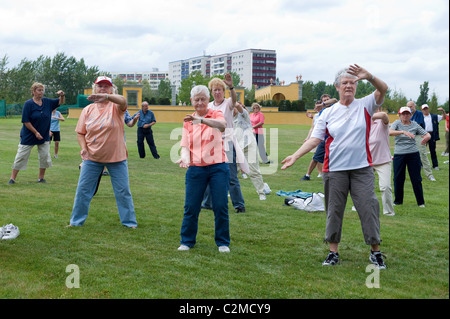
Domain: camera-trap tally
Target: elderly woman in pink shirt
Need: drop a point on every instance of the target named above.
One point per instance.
(257, 120)
(100, 133)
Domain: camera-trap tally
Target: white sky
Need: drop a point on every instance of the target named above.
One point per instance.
(403, 42)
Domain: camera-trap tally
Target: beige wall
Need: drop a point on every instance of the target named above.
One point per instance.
(175, 114)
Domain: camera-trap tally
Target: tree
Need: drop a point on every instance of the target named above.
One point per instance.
(195, 78)
(164, 90)
(57, 73)
(433, 103)
(423, 97)
(147, 92)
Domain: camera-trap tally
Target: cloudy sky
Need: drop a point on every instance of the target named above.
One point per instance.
(404, 42)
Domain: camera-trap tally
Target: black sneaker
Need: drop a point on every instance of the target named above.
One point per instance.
(41, 180)
(240, 210)
(11, 181)
(376, 258)
(305, 178)
(332, 259)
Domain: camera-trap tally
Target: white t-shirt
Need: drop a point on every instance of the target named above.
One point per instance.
(348, 130)
(228, 115)
(429, 122)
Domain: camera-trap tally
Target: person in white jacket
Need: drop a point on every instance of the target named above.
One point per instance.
(247, 142)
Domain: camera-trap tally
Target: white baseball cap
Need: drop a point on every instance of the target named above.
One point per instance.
(404, 109)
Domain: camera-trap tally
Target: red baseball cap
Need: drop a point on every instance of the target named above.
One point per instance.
(104, 79)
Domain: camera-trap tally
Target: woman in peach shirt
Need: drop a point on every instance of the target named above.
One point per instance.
(100, 133)
(203, 154)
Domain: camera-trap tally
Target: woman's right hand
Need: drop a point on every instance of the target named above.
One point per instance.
(84, 154)
(38, 136)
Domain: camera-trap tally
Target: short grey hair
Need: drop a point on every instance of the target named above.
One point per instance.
(199, 89)
(343, 74)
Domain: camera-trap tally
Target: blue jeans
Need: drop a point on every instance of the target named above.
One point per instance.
(87, 184)
(217, 177)
(235, 187)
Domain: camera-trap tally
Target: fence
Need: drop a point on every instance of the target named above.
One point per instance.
(2, 108)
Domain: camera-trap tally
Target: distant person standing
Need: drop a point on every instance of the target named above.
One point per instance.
(36, 118)
(146, 121)
(447, 137)
(406, 155)
(432, 127)
(257, 120)
(55, 129)
(417, 116)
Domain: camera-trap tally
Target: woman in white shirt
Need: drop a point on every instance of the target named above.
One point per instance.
(347, 165)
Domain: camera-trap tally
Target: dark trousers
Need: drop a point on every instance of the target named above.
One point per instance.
(432, 147)
(412, 161)
(148, 135)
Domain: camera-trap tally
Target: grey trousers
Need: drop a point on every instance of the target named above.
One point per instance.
(361, 185)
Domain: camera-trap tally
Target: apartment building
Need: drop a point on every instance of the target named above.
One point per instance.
(254, 67)
(153, 77)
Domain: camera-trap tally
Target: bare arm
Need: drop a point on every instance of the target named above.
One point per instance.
(229, 82)
(62, 97)
(381, 116)
(82, 141)
(218, 124)
(115, 98)
(444, 115)
(304, 149)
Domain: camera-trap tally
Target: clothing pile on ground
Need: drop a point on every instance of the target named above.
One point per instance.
(310, 202)
(9, 232)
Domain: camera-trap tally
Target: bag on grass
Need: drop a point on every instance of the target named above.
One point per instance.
(313, 203)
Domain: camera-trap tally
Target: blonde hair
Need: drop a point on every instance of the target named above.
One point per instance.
(35, 86)
(216, 82)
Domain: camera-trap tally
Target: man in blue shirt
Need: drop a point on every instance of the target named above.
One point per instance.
(418, 117)
(145, 123)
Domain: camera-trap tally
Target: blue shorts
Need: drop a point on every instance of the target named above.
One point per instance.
(319, 155)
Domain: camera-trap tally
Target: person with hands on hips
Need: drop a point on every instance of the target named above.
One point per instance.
(100, 133)
(347, 164)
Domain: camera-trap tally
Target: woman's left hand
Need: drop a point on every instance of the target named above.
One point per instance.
(359, 72)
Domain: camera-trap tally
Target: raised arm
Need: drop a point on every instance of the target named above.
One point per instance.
(380, 86)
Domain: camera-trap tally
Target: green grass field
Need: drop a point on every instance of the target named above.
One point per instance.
(276, 250)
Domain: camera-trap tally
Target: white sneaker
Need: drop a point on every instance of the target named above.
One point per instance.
(267, 189)
(244, 176)
(224, 249)
(389, 214)
(431, 178)
(319, 176)
(183, 248)
(436, 168)
(353, 208)
(10, 231)
(262, 197)
(422, 205)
